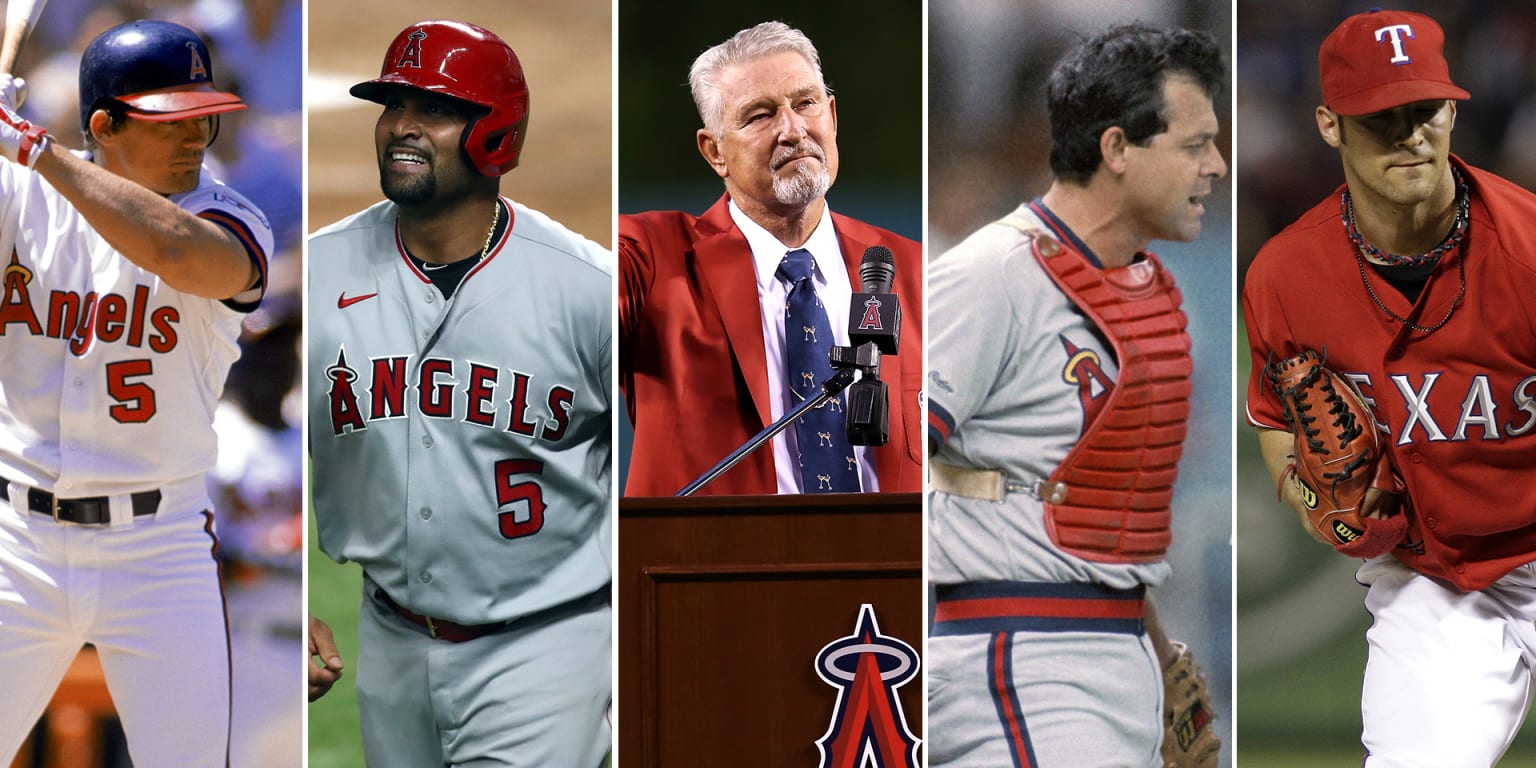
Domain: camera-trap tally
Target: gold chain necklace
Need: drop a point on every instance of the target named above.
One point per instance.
(495, 217)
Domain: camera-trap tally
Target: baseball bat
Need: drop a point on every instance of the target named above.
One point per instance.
(20, 17)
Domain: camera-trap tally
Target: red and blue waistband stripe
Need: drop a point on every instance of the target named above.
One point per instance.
(940, 424)
(1011, 606)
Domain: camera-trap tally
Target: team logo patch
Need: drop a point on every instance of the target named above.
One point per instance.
(197, 69)
(871, 319)
(410, 56)
(344, 411)
(1084, 371)
(1397, 33)
(868, 728)
(15, 301)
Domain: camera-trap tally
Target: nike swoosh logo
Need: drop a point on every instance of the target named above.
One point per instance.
(342, 302)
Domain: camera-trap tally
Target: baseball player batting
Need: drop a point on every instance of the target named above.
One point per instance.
(127, 272)
(1413, 282)
(460, 428)
(1058, 389)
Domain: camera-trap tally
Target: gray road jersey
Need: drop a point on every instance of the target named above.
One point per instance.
(462, 448)
(1015, 366)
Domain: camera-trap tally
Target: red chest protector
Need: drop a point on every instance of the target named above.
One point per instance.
(1109, 499)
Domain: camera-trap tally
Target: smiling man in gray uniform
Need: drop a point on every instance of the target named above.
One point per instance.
(460, 426)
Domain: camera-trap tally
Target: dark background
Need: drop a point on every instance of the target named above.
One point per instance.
(871, 57)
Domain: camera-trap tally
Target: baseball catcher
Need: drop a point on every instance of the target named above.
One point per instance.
(1056, 432)
(1337, 458)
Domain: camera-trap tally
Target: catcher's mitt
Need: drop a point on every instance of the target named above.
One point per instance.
(1337, 455)
(1188, 739)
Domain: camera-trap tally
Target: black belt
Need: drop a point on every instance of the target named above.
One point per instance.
(95, 510)
(440, 629)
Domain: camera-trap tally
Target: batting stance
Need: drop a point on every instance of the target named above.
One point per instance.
(1419, 277)
(1055, 428)
(460, 428)
(127, 270)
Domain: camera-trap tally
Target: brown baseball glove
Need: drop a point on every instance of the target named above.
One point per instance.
(1189, 741)
(1337, 455)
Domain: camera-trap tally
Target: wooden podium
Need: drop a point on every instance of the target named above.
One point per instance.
(724, 603)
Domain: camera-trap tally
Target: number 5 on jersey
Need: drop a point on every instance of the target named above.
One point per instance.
(135, 399)
(510, 491)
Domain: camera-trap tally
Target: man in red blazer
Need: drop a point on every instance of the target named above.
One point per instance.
(702, 344)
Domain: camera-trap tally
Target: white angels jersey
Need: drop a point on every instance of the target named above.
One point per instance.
(110, 377)
(1016, 371)
(461, 448)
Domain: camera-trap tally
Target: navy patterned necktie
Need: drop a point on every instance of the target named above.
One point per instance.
(826, 457)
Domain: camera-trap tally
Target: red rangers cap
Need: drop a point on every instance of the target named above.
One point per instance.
(1382, 59)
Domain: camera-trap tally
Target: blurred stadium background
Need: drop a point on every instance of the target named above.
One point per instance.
(1301, 619)
(256, 47)
(988, 141)
(566, 171)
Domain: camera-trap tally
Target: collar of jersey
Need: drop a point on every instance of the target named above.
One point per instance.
(1064, 233)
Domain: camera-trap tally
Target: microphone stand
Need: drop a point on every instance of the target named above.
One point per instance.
(845, 362)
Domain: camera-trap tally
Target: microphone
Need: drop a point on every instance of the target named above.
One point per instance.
(878, 269)
(874, 314)
(874, 318)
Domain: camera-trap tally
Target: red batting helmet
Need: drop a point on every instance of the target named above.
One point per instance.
(469, 63)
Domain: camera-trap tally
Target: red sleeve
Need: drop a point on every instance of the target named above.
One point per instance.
(636, 271)
(1268, 340)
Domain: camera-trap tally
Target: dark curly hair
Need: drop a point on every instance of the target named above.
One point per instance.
(1116, 78)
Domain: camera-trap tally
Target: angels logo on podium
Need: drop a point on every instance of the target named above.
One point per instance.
(868, 729)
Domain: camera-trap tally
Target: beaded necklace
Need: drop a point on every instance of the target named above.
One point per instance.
(1458, 229)
(1451, 241)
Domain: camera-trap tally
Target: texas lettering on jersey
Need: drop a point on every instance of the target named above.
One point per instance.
(1459, 411)
(438, 384)
(110, 317)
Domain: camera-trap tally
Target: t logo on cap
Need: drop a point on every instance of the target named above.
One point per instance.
(1396, 32)
(1358, 79)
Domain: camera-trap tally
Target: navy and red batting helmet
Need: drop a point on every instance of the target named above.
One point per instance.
(157, 70)
(468, 63)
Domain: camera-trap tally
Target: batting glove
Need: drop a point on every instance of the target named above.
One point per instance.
(13, 91)
(20, 141)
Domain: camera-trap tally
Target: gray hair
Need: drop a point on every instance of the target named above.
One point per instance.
(765, 39)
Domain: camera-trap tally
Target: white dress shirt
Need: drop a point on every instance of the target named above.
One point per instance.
(835, 292)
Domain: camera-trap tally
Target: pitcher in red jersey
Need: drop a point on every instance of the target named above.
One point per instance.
(1417, 278)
